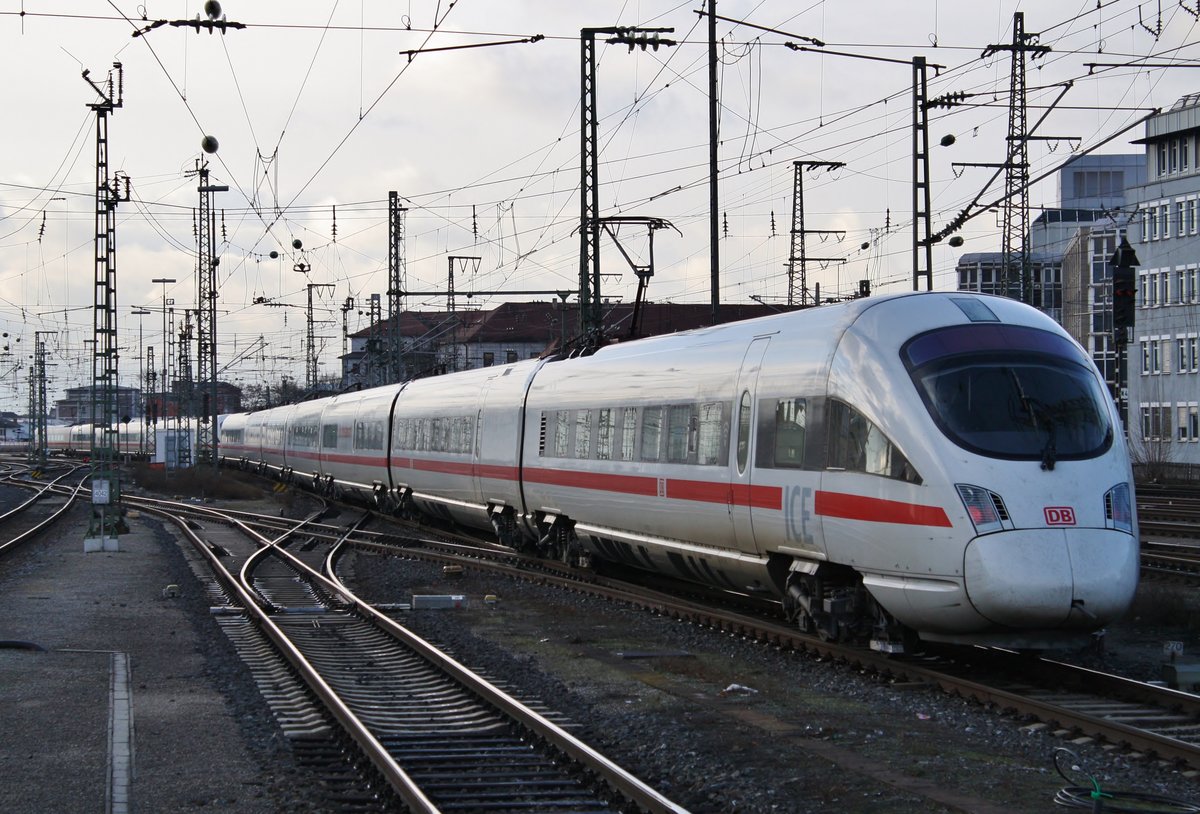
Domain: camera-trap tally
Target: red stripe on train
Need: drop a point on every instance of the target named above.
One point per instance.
(878, 510)
(827, 504)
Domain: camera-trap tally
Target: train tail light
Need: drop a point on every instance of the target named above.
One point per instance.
(1118, 508)
(981, 507)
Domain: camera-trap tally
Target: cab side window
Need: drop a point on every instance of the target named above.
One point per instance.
(855, 444)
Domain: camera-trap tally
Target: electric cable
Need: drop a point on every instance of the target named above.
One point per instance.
(1092, 797)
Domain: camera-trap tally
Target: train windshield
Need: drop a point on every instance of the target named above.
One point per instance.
(1011, 392)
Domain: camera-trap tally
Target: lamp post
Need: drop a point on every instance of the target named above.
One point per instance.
(139, 313)
(164, 382)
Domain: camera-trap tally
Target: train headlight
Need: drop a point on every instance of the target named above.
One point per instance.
(981, 508)
(1118, 508)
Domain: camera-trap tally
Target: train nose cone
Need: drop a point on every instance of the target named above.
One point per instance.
(1038, 578)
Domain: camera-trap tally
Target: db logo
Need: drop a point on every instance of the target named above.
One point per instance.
(1060, 516)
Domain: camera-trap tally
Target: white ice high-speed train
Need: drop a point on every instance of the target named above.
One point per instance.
(944, 464)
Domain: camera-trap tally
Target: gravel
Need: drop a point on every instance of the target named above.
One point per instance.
(724, 724)
(718, 723)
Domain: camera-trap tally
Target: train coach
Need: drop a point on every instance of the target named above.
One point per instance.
(941, 465)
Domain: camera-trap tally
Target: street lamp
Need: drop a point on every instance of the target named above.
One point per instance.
(139, 313)
(166, 357)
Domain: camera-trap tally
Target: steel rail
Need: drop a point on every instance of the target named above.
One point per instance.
(636, 791)
(396, 777)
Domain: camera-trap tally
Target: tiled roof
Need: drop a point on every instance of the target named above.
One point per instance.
(542, 321)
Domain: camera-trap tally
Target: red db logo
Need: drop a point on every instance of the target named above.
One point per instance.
(1060, 516)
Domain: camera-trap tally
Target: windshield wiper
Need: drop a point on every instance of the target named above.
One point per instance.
(1049, 452)
(1038, 413)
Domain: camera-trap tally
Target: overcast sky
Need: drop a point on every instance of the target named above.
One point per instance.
(320, 109)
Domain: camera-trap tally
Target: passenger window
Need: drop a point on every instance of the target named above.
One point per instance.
(583, 433)
(562, 431)
(790, 427)
(711, 438)
(604, 434)
(628, 433)
(651, 433)
(678, 433)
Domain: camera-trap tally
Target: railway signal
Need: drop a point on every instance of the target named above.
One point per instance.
(1124, 261)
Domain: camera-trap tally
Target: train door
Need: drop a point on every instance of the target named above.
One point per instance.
(742, 453)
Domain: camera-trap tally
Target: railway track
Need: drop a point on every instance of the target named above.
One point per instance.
(1169, 520)
(50, 501)
(442, 737)
(1072, 701)
(1075, 702)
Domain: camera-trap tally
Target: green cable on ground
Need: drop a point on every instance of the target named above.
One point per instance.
(1121, 802)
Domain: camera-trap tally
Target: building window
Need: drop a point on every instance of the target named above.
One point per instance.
(1173, 158)
(1160, 429)
(1145, 357)
(1092, 184)
(1193, 419)
(1161, 166)
(1104, 355)
(1164, 280)
(510, 356)
(489, 358)
(1154, 223)
(1193, 354)
(1164, 217)
(1180, 218)
(1191, 216)
(1179, 287)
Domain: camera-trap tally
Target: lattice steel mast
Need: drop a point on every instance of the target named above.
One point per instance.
(310, 368)
(206, 319)
(1016, 279)
(922, 240)
(798, 258)
(396, 284)
(590, 313)
(106, 522)
(39, 407)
